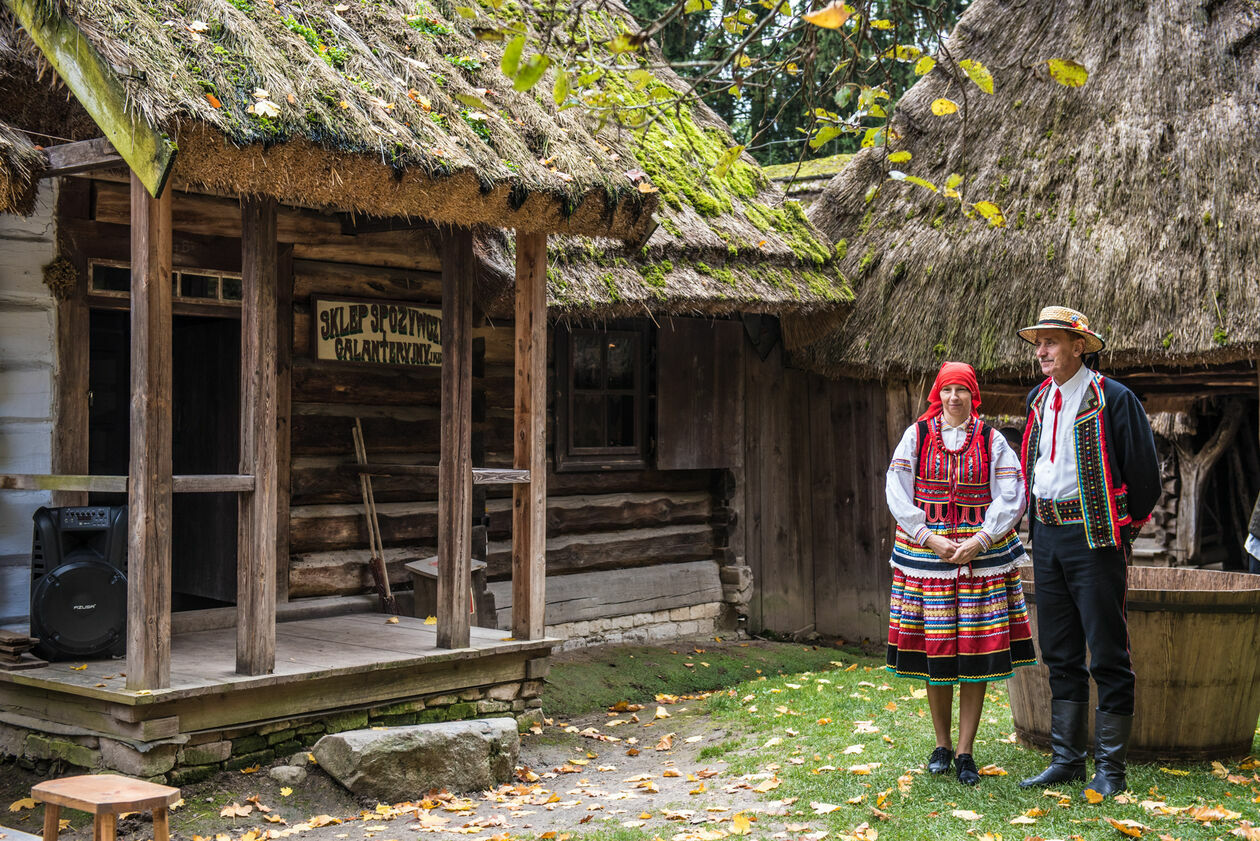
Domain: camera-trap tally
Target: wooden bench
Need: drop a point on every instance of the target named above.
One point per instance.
(105, 796)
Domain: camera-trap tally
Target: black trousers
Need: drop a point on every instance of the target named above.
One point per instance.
(1081, 602)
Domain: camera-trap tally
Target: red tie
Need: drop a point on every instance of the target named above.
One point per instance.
(1055, 404)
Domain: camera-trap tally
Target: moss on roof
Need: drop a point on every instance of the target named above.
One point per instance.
(399, 85)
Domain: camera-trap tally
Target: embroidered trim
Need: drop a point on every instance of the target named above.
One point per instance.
(952, 572)
(902, 464)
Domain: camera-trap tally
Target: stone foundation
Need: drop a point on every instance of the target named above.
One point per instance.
(693, 621)
(193, 757)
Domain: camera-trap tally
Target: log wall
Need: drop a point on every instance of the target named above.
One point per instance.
(27, 371)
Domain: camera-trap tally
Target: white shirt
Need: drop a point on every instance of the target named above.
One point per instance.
(1057, 479)
(1006, 483)
(1253, 546)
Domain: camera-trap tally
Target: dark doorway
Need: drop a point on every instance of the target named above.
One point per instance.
(206, 439)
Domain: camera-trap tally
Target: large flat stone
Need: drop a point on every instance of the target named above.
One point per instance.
(403, 763)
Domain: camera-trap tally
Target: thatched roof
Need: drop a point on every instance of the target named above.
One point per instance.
(725, 243)
(20, 165)
(805, 180)
(1135, 198)
(389, 108)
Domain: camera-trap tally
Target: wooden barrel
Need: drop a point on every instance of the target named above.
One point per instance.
(1194, 635)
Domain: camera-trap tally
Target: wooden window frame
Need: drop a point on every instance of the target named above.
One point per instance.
(119, 300)
(575, 459)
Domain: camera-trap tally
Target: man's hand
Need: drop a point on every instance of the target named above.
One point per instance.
(966, 552)
(943, 547)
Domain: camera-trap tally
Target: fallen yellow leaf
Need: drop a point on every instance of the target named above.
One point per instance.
(740, 825)
(393, 620)
(19, 805)
(430, 620)
(1129, 827)
(286, 791)
(966, 815)
(79, 668)
(1093, 797)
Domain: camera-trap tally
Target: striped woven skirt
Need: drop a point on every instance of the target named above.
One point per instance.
(977, 632)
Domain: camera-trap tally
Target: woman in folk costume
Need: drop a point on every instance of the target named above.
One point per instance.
(957, 614)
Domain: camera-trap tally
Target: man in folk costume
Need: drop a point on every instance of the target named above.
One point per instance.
(1093, 479)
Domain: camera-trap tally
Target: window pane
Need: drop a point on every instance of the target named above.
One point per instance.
(620, 421)
(199, 286)
(111, 279)
(623, 356)
(588, 421)
(231, 288)
(587, 366)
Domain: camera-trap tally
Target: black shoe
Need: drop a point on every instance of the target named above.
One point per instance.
(1111, 746)
(1069, 730)
(938, 762)
(968, 775)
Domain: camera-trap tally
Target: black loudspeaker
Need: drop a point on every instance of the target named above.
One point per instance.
(79, 581)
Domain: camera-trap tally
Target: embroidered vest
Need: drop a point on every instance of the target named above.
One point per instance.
(1104, 507)
(952, 488)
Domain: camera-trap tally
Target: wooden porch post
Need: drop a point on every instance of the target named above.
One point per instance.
(455, 478)
(149, 480)
(529, 502)
(257, 510)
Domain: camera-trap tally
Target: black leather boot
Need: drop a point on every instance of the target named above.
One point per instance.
(1069, 730)
(1111, 746)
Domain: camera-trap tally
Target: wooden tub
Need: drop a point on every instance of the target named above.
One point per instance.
(1195, 640)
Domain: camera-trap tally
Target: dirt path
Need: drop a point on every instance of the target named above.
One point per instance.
(605, 770)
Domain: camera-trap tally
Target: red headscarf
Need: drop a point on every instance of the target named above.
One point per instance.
(953, 373)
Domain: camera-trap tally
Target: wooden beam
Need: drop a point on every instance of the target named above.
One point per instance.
(62, 483)
(455, 463)
(97, 87)
(256, 541)
(80, 156)
(529, 502)
(186, 484)
(149, 471)
(480, 475)
(70, 400)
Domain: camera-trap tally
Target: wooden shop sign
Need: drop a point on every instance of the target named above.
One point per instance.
(376, 332)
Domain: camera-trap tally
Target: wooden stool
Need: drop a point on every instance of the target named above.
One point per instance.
(106, 796)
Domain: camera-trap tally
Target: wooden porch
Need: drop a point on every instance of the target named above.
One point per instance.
(323, 665)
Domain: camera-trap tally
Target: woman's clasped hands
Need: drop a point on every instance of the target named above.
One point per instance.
(960, 552)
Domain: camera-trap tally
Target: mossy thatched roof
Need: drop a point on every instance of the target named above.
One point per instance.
(804, 180)
(20, 165)
(728, 240)
(1135, 198)
(387, 107)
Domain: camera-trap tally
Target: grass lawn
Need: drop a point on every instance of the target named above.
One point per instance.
(849, 744)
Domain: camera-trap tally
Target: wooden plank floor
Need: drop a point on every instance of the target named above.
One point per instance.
(204, 662)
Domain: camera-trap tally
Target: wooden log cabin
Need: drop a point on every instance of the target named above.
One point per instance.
(255, 261)
(1116, 203)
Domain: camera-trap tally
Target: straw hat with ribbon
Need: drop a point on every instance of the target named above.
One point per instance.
(1062, 318)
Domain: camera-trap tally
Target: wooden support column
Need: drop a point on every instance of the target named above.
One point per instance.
(529, 502)
(149, 498)
(257, 533)
(455, 476)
